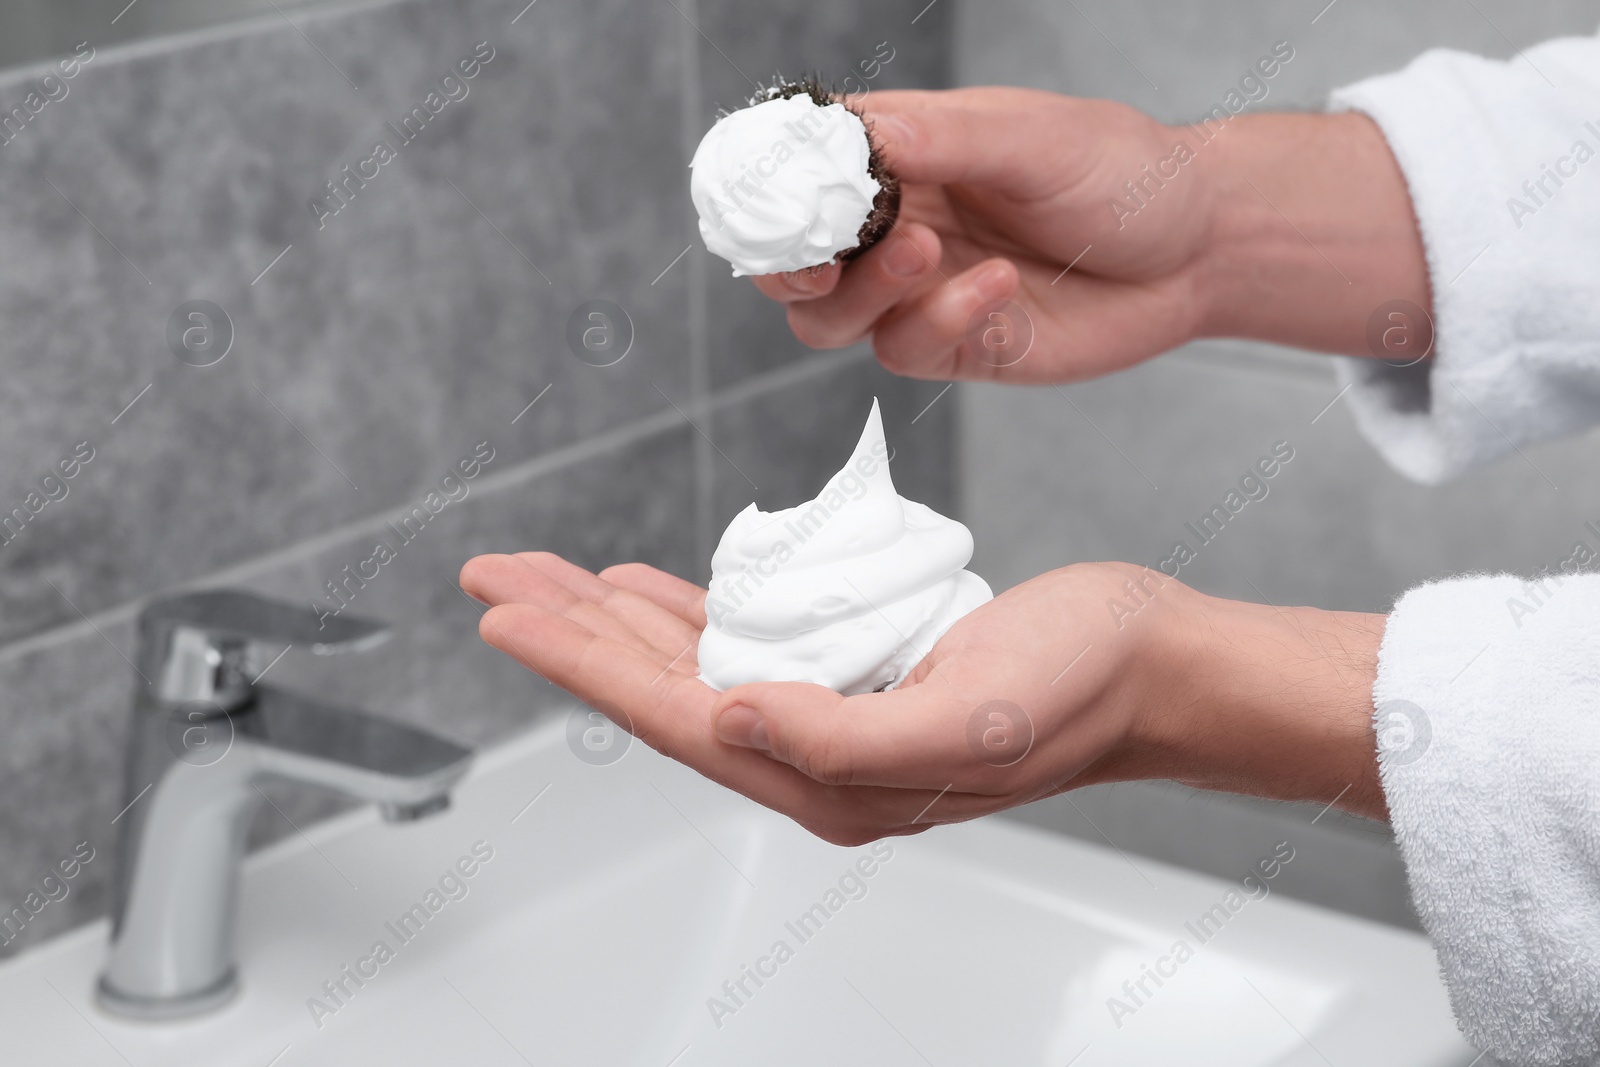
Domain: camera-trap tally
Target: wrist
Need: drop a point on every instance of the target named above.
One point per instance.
(1310, 229)
(1272, 702)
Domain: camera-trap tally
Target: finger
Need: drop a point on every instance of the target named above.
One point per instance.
(669, 712)
(673, 716)
(804, 284)
(663, 629)
(944, 138)
(501, 579)
(684, 599)
(581, 582)
(498, 578)
(927, 337)
(874, 283)
(653, 703)
(910, 738)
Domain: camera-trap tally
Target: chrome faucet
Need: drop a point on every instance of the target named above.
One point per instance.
(204, 735)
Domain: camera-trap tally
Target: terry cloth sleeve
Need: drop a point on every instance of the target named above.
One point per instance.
(1502, 160)
(1488, 719)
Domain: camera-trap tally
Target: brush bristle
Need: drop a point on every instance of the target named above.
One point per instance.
(886, 205)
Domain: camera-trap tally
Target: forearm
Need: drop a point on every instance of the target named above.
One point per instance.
(1312, 231)
(1272, 702)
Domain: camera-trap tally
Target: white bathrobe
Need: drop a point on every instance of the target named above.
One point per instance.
(1488, 690)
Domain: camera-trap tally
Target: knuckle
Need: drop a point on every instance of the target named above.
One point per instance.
(892, 359)
(810, 331)
(824, 760)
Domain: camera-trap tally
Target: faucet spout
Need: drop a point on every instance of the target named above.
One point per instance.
(349, 752)
(202, 765)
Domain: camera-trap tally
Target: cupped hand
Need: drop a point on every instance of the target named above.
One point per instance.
(1027, 696)
(1004, 190)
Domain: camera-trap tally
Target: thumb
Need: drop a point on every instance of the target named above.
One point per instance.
(906, 738)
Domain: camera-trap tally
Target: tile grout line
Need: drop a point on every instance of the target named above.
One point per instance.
(242, 27)
(548, 463)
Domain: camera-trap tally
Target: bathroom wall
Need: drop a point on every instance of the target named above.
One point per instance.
(1113, 469)
(38, 29)
(374, 348)
(365, 352)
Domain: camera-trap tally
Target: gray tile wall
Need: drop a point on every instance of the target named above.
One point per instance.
(424, 316)
(35, 29)
(1043, 486)
(373, 351)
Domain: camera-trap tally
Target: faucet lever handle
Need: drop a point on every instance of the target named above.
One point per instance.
(191, 644)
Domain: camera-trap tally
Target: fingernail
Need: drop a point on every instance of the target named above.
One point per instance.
(742, 726)
(994, 281)
(904, 259)
(892, 129)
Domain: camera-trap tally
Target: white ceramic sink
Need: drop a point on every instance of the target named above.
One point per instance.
(619, 902)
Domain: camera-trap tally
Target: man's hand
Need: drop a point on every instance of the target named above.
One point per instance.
(1001, 190)
(1287, 228)
(1092, 673)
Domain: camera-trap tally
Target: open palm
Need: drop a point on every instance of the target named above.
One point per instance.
(1005, 709)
